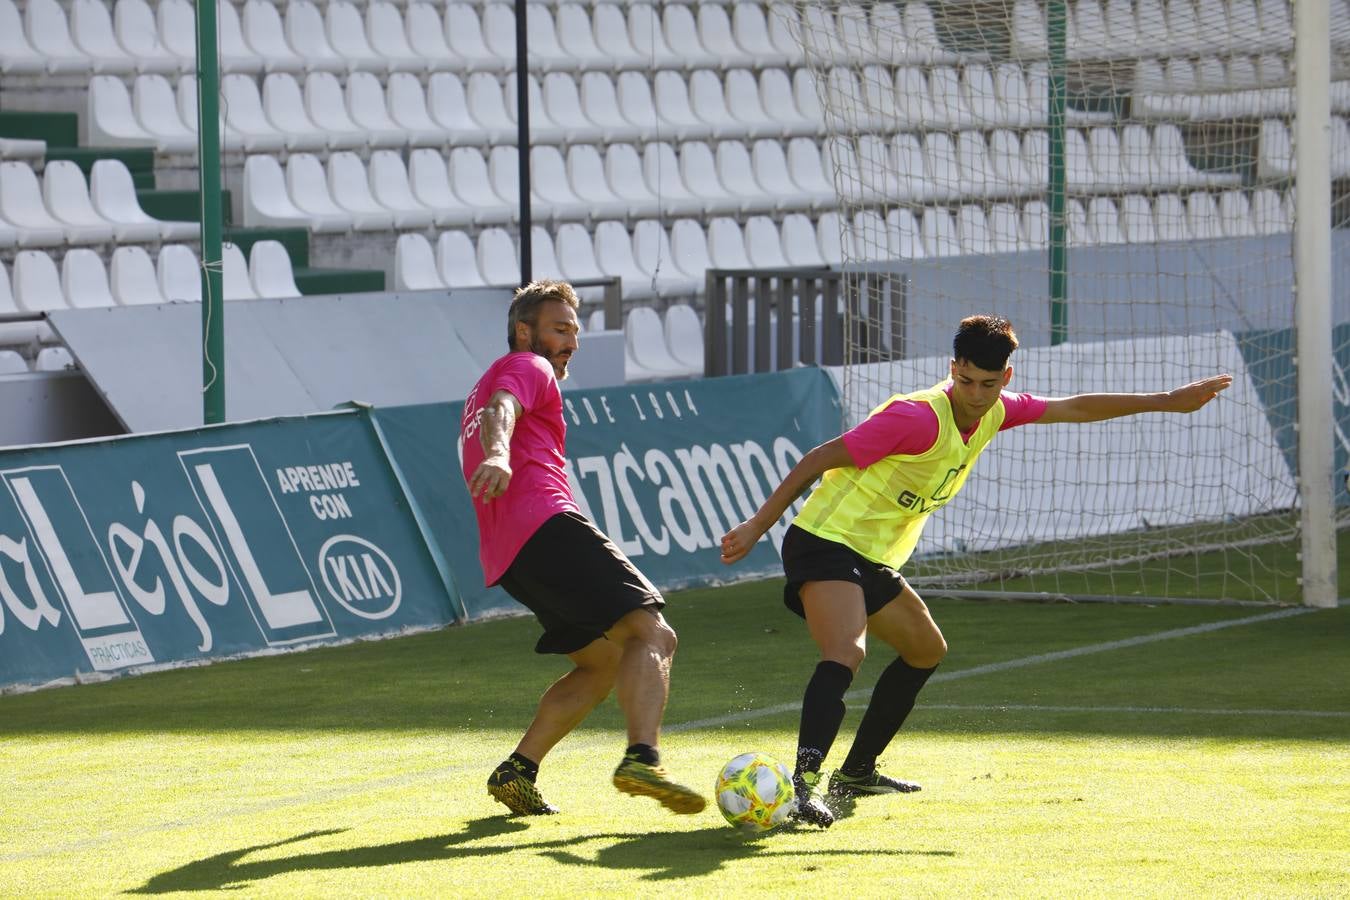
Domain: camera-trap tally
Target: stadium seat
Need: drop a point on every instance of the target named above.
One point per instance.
(307, 185)
(1002, 222)
(304, 31)
(110, 117)
(263, 31)
(36, 282)
(471, 184)
(614, 254)
(938, 231)
(448, 106)
(48, 32)
(830, 239)
(66, 195)
(54, 359)
(429, 178)
(346, 31)
(913, 102)
(736, 171)
(698, 170)
(113, 194)
(949, 102)
(21, 206)
(407, 105)
(1202, 216)
(750, 29)
(387, 36)
(132, 277)
(284, 106)
(349, 187)
(1076, 223)
(1035, 225)
(623, 171)
(763, 244)
(234, 274)
(725, 243)
(1103, 219)
(562, 103)
(415, 264)
(180, 274)
(689, 249)
(464, 36)
(972, 231)
(800, 246)
(662, 171)
(242, 107)
(17, 55)
(678, 120)
(84, 282)
(805, 94)
(497, 257)
(586, 172)
(7, 304)
(370, 111)
(156, 110)
(327, 109)
(769, 165)
(12, 363)
(267, 202)
(544, 129)
(426, 35)
(546, 52)
(869, 239)
(662, 274)
(600, 103)
(487, 106)
(647, 35)
(576, 254)
(543, 255)
(742, 98)
(457, 260)
(813, 175)
(707, 99)
(270, 271)
(1270, 213)
(91, 30)
(776, 93)
(903, 235)
(576, 38)
(1235, 214)
(684, 337)
(647, 355)
(1169, 218)
(390, 188)
(1136, 220)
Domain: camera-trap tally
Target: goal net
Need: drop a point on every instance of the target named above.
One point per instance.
(1115, 177)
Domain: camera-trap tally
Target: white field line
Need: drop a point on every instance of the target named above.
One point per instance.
(1141, 710)
(594, 744)
(1086, 650)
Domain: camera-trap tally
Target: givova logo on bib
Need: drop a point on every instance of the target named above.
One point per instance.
(360, 576)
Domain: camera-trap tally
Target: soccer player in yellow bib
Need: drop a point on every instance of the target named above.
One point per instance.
(841, 554)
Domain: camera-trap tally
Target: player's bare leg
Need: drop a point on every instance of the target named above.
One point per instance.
(563, 707)
(643, 686)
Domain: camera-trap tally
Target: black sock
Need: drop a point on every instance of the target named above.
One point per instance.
(528, 767)
(892, 701)
(822, 712)
(644, 753)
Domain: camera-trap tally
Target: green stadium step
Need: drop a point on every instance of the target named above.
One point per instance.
(179, 206)
(139, 161)
(295, 240)
(338, 281)
(59, 129)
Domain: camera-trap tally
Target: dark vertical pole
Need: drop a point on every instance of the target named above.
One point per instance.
(208, 156)
(1056, 35)
(523, 140)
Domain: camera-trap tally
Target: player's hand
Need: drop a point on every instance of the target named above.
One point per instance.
(739, 541)
(1190, 397)
(490, 479)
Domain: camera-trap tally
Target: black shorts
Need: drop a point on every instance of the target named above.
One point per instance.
(576, 582)
(808, 557)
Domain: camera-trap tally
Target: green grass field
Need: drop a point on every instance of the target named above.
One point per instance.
(1063, 749)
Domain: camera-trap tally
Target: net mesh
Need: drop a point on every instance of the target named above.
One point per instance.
(1163, 253)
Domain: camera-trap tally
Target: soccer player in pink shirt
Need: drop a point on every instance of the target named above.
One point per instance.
(593, 604)
(843, 551)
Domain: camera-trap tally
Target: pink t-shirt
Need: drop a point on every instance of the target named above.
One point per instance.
(910, 427)
(539, 488)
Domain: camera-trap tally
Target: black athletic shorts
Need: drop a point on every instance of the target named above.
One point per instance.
(809, 557)
(576, 582)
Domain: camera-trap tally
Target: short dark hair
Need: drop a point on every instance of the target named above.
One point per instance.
(525, 304)
(985, 342)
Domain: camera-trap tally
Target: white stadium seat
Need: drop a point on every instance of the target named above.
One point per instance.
(270, 270)
(415, 264)
(66, 194)
(180, 274)
(132, 277)
(84, 282)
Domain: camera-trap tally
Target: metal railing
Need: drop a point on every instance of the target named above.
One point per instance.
(800, 317)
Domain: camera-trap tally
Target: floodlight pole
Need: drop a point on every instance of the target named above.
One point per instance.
(1312, 302)
(1056, 33)
(208, 158)
(523, 139)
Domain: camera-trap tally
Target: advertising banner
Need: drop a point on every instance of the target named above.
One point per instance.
(178, 547)
(664, 470)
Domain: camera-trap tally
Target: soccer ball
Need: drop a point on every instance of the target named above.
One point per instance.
(754, 792)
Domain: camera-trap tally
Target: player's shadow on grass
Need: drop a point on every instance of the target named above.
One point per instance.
(684, 854)
(232, 870)
(667, 855)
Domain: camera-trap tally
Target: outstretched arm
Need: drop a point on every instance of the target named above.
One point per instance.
(830, 455)
(1096, 407)
(496, 421)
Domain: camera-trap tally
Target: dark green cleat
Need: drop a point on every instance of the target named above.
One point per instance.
(511, 787)
(811, 808)
(842, 785)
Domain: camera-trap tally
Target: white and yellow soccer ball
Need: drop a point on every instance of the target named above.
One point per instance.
(754, 792)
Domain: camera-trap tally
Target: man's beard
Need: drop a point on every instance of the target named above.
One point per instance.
(537, 346)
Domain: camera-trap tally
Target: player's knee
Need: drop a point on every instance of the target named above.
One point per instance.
(650, 627)
(928, 654)
(850, 655)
